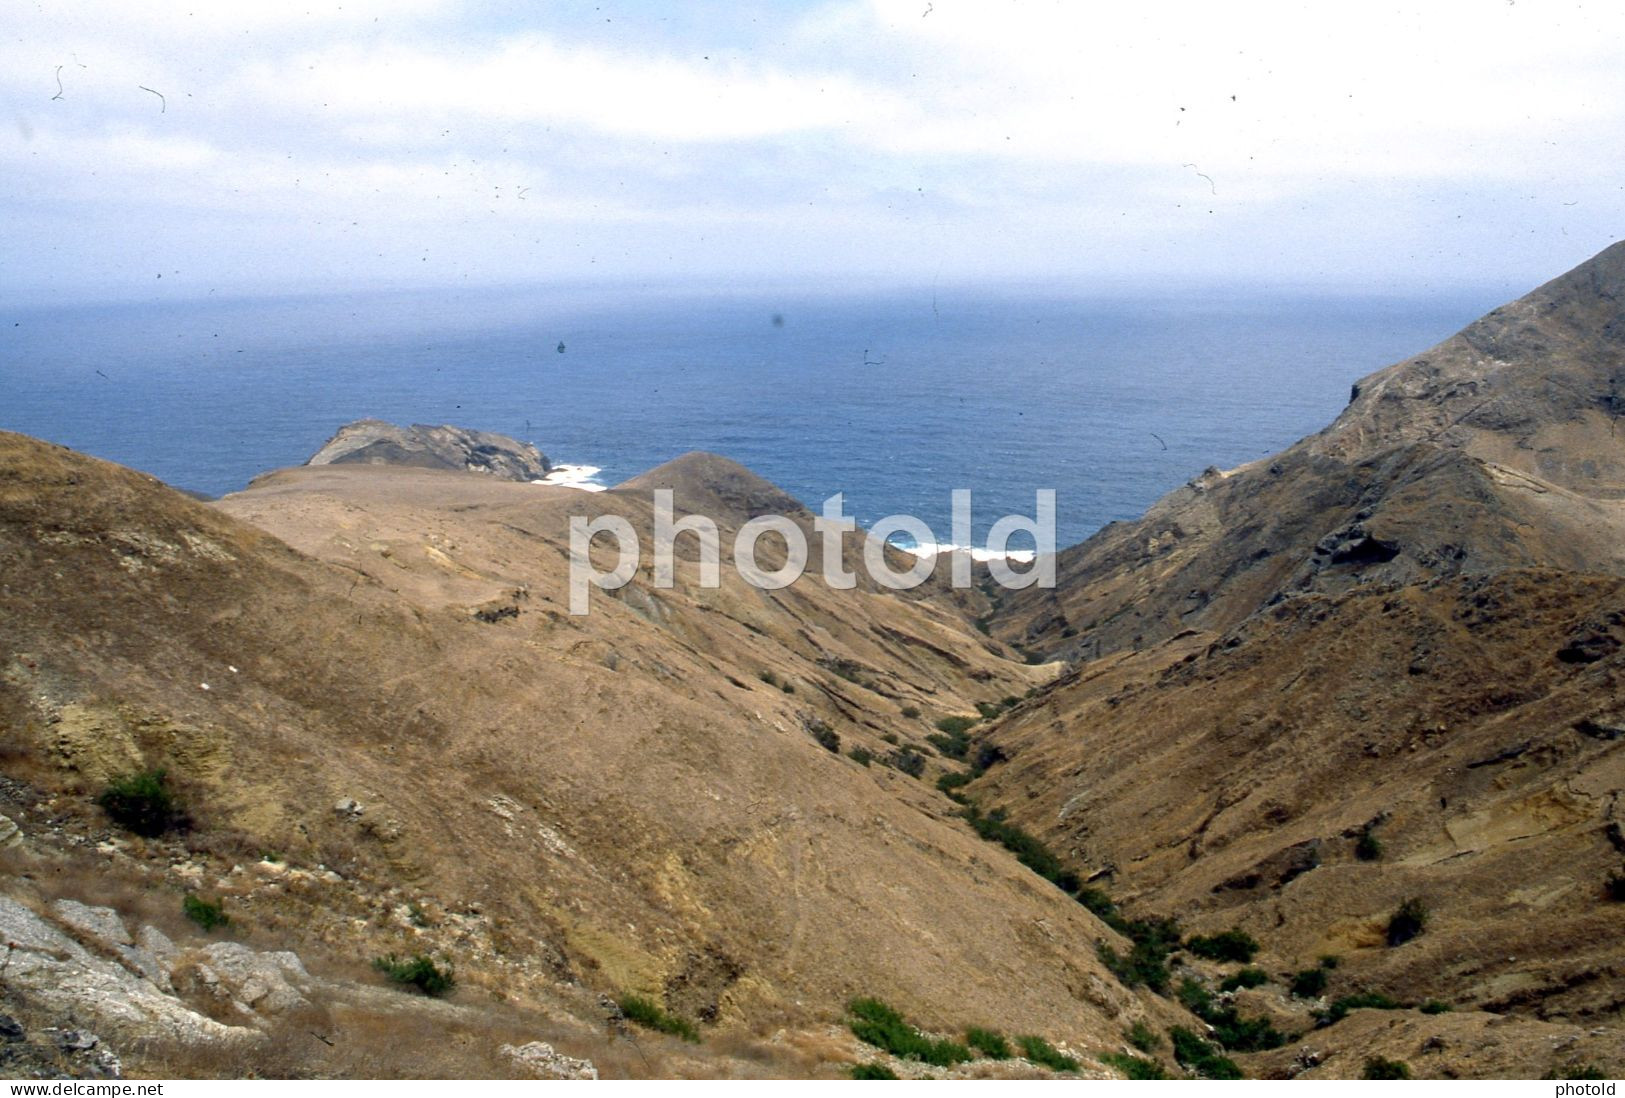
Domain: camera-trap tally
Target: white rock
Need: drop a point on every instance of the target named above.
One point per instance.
(64, 977)
(540, 1059)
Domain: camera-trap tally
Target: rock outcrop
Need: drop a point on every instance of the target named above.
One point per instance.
(375, 442)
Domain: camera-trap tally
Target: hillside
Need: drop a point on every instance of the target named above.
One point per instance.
(1382, 666)
(1495, 449)
(390, 737)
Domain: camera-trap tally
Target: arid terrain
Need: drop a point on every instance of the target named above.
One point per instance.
(1357, 703)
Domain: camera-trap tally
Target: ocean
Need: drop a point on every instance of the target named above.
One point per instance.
(894, 399)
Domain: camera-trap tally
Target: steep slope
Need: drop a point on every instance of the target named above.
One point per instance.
(1495, 449)
(391, 689)
(1383, 666)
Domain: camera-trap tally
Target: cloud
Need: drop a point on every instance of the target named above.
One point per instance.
(905, 136)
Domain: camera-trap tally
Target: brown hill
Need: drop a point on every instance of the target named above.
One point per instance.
(632, 801)
(1383, 666)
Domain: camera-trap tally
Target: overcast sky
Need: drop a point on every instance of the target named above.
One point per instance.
(274, 146)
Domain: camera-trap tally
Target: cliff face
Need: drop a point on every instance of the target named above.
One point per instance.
(374, 442)
(1498, 448)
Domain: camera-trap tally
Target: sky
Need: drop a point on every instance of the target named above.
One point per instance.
(159, 148)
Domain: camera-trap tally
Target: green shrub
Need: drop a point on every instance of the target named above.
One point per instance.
(207, 914)
(911, 712)
(1041, 1052)
(1578, 1071)
(1028, 849)
(873, 1070)
(954, 746)
(861, 755)
(1147, 963)
(651, 1015)
(1408, 921)
(989, 1043)
(907, 760)
(420, 972)
(1143, 1037)
(788, 687)
(1247, 977)
(768, 677)
(1097, 901)
(1330, 961)
(1201, 1056)
(989, 710)
(956, 726)
(827, 737)
(1436, 1006)
(142, 803)
(875, 1023)
(1367, 848)
(1230, 1029)
(1230, 945)
(1009, 701)
(955, 779)
(1362, 1000)
(1133, 1067)
(1310, 983)
(1378, 1067)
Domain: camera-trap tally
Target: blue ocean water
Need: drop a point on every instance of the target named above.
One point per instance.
(894, 399)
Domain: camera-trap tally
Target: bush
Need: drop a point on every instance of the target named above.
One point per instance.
(768, 677)
(1041, 1052)
(1367, 848)
(989, 710)
(1133, 1067)
(861, 755)
(1363, 1000)
(1231, 945)
(956, 726)
(989, 1043)
(955, 779)
(1147, 963)
(420, 972)
(1407, 922)
(788, 687)
(826, 736)
(955, 746)
(1143, 1037)
(1310, 983)
(1614, 889)
(1097, 901)
(875, 1023)
(1247, 977)
(1329, 961)
(1201, 1057)
(651, 1015)
(1436, 1006)
(143, 804)
(207, 914)
(1028, 849)
(908, 760)
(872, 1071)
(1379, 1068)
(911, 712)
(1230, 1029)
